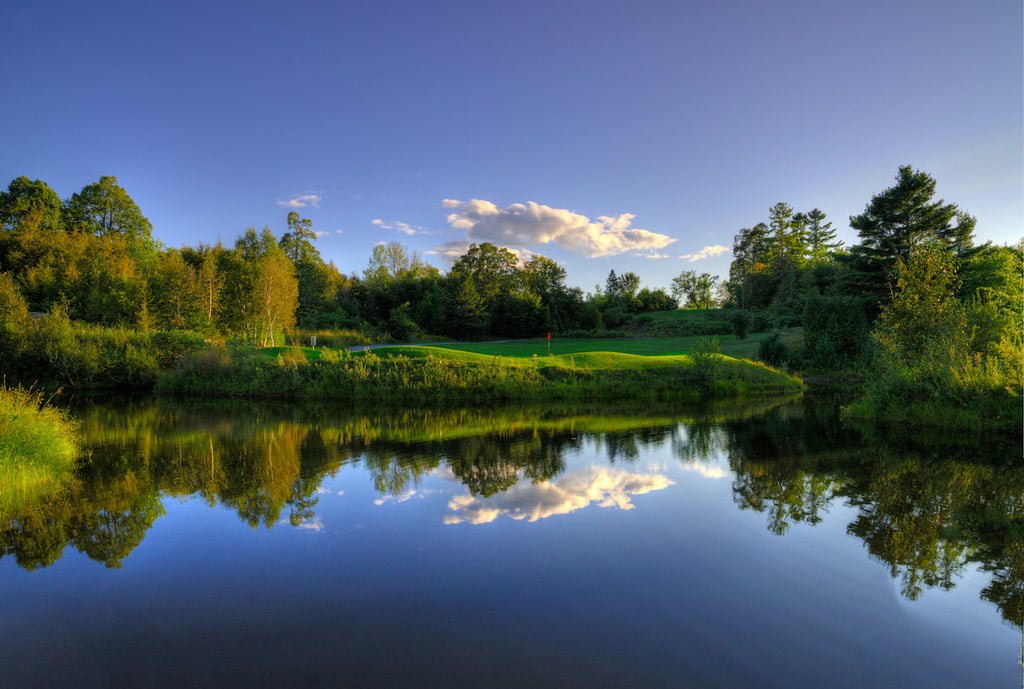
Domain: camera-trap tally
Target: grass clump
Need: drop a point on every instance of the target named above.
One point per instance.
(38, 445)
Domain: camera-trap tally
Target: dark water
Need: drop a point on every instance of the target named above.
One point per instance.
(257, 545)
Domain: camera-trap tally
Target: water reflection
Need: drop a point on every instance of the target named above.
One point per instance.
(927, 510)
(604, 486)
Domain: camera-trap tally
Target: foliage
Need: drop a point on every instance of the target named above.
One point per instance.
(836, 332)
(895, 223)
(773, 351)
(38, 443)
(741, 321)
(55, 352)
(31, 207)
(774, 263)
(697, 290)
(928, 368)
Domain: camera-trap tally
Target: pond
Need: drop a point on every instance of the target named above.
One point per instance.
(266, 545)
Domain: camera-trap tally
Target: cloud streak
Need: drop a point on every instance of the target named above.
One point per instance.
(706, 252)
(400, 227)
(532, 224)
(301, 201)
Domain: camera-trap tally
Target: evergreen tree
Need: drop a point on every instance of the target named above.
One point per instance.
(821, 238)
(897, 221)
(751, 277)
(788, 246)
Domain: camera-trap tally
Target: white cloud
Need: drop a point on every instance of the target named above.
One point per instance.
(320, 234)
(301, 201)
(532, 224)
(401, 227)
(706, 252)
(313, 524)
(452, 251)
(655, 255)
(397, 498)
(708, 470)
(605, 486)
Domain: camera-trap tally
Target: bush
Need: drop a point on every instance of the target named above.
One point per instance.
(740, 321)
(170, 345)
(773, 351)
(760, 322)
(836, 331)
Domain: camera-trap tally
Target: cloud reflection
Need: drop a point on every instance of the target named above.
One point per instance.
(605, 486)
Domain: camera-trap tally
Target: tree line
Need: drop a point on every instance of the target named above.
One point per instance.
(94, 258)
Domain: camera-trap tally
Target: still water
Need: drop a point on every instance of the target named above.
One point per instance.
(234, 544)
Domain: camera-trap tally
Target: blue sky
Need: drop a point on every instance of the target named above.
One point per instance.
(634, 136)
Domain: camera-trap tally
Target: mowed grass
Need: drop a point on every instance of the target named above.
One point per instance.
(729, 345)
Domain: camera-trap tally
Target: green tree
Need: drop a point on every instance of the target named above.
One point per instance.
(492, 269)
(174, 290)
(821, 238)
(788, 246)
(30, 206)
(105, 209)
(546, 279)
(209, 283)
(465, 313)
(924, 309)
(649, 301)
(698, 291)
(748, 272)
(391, 262)
(275, 292)
(895, 223)
(260, 293)
(297, 242)
(622, 286)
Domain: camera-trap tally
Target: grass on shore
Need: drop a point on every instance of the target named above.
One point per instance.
(38, 446)
(449, 374)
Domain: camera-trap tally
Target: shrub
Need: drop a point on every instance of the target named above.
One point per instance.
(740, 321)
(773, 351)
(836, 331)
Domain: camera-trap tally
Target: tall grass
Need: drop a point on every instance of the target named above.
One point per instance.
(38, 446)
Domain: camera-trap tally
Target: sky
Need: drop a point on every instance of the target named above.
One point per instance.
(607, 135)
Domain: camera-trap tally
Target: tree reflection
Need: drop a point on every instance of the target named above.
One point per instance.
(924, 509)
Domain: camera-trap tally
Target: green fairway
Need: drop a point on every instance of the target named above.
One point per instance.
(583, 369)
(655, 346)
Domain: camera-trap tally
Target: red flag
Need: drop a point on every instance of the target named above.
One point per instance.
(549, 336)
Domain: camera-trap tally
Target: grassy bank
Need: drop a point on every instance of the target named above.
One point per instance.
(37, 447)
(969, 398)
(404, 374)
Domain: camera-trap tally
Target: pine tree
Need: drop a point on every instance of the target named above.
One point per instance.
(821, 238)
(895, 223)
